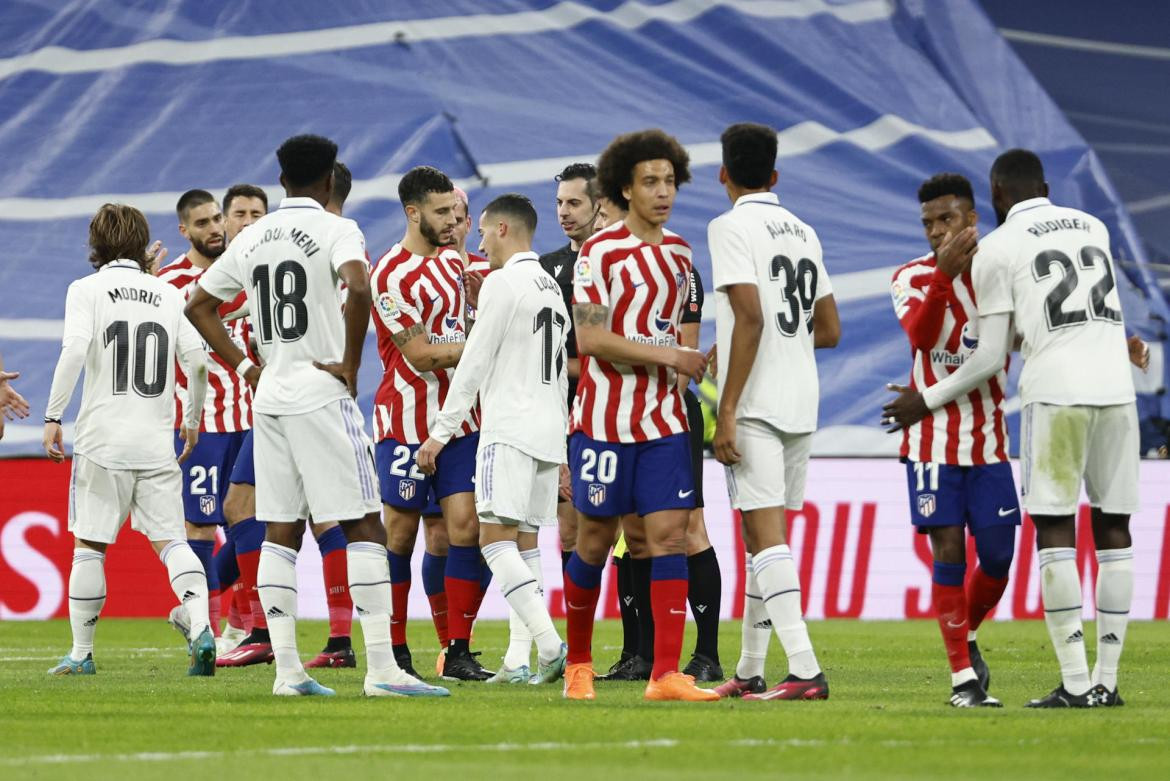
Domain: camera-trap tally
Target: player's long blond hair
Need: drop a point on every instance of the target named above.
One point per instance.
(118, 231)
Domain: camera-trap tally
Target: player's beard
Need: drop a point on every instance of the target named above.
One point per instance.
(208, 252)
(429, 233)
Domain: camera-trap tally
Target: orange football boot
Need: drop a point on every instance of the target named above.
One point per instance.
(579, 681)
(676, 686)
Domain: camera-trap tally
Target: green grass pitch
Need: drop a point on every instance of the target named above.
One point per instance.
(141, 717)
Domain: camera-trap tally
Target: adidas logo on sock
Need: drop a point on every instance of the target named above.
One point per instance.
(701, 608)
(93, 622)
(765, 624)
(1076, 637)
(188, 596)
(1110, 638)
(275, 612)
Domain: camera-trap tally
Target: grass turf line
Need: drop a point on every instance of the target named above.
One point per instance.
(887, 717)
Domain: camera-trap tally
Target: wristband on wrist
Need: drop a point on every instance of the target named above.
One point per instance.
(53, 420)
(243, 366)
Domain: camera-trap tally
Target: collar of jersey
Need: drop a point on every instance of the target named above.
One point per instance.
(519, 256)
(121, 263)
(300, 203)
(1023, 206)
(769, 198)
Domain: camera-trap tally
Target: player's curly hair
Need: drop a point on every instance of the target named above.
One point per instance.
(946, 184)
(615, 167)
(118, 232)
(306, 159)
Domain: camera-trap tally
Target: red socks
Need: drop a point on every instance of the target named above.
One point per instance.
(580, 606)
(983, 593)
(249, 563)
(335, 568)
(951, 604)
(439, 616)
(463, 597)
(668, 604)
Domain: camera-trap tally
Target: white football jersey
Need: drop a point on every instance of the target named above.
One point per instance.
(287, 261)
(515, 359)
(759, 242)
(1050, 268)
(133, 328)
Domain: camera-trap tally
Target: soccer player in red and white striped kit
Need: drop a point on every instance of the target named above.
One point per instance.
(957, 457)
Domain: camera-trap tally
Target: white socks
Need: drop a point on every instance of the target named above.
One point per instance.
(369, 588)
(1060, 586)
(276, 581)
(188, 581)
(519, 651)
(1114, 595)
(780, 588)
(522, 590)
(87, 595)
(757, 629)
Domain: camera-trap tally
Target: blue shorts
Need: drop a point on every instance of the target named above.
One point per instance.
(406, 488)
(244, 470)
(972, 496)
(616, 478)
(205, 475)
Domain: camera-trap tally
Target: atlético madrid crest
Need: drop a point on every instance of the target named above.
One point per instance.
(926, 505)
(596, 494)
(406, 489)
(207, 505)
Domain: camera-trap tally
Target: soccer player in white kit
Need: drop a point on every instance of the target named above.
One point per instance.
(515, 360)
(774, 305)
(312, 455)
(1048, 267)
(126, 328)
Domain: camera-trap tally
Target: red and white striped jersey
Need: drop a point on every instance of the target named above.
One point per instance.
(229, 399)
(412, 290)
(479, 265)
(645, 287)
(940, 317)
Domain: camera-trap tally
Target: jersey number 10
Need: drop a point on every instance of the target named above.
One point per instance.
(146, 336)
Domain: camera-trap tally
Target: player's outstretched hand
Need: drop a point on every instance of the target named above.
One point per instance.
(12, 404)
(54, 442)
(1139, 352)
(956, 252)
(427, 455)
(155, 256)
(190, 439)
(904, 411)
(472, 282)
(565, 489)
(724, 442)
(346, 375)
(690, 363)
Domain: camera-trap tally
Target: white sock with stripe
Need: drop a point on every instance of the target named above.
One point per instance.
(757, 628)
(276, 582)
(780, 589)
(522, 590)
(369, 587)
(519, 638)
(1060, 586)
(1114, 597)
(87, 596)
(188, 581)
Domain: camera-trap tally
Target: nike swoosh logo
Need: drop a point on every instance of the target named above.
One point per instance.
(674, 612)
(682, 495)
(959, 625)
(1004, 513)
(577, 607)
(469, 616)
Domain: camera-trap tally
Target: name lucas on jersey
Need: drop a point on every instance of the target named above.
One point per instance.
(137, 295)
(298, 237)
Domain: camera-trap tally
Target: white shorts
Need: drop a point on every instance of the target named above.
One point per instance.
(772, 470)
(513, 488)
(1061, 444)
(318, 463)
(100, 498)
